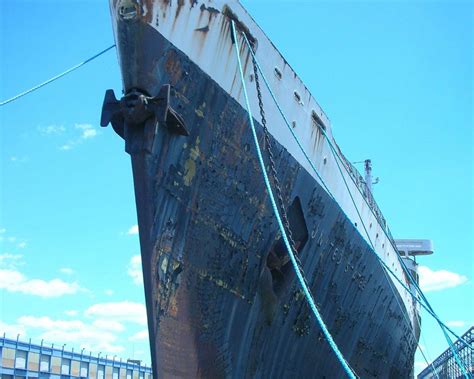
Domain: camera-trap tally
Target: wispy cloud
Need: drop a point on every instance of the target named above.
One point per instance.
(10, 261)
(140, 336)
(431, 280)
(66, 270)
(133, 230)
(109, 292)
(106, 327)
(51, 129)
(112, 325)
(14, 281)
(98, 336)
(134, 269)
(86, 132)
(7, 237)
(18, 159)
(420, 366)
(120, 311)
(11, 330)
(457, 324)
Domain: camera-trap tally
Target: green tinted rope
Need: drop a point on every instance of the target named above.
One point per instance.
(428, 307)
(69, 70)
(299, 275)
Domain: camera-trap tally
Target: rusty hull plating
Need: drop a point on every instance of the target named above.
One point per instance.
(222, 299)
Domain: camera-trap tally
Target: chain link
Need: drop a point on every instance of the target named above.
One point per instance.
(269, 149)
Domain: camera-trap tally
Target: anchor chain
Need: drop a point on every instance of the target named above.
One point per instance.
(273, 172)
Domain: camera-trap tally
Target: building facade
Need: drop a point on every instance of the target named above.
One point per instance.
(445, 365)
(26, 360)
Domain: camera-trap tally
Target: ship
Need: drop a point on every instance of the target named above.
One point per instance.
(222, 297)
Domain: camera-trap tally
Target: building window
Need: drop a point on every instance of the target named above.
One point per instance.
(56, 365)
(135, 374)
(33, 361)
(129, 374)
(8, 357)
(93, 371)
(115, 375)
(20, 359)
(108, 372)
(123, 373)
(44, 363)
(66, 364)
(75, 367)
(84, 367)
(100, 372)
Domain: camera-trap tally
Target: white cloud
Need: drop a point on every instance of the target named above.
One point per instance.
(420, 366)
(12, 330)
(124, 311)
(14, 281)
(109, 292)
(2, 230)
(51, 129)
(22, 245)
(66, 270)
(11, 239)
(71, 312)
(438, 280)
(83, 126)
(65, 147)
(140, 336)
(95, 336)
(10, 261)
(112, 325)
(47, 323)
(133, 230)
(87, 132)
(18, 159)
(134, 269)
(456, 324)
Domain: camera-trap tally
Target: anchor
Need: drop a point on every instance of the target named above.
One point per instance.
(136, 107)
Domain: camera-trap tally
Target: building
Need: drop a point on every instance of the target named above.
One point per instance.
(26, 360)
(445, 365)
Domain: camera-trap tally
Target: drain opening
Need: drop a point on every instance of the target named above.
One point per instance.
(278, 260)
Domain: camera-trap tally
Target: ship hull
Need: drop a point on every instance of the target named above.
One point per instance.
(222, 299)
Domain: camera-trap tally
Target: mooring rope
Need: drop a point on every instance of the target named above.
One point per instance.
(309, 298)
(56, 77)
(336, 156)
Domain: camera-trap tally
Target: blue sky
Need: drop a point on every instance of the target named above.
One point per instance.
(395, 79)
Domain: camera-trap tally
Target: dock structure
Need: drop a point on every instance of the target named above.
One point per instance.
(445, 365)
(19, 359)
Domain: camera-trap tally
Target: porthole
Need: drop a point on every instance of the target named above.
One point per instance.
(297, 97)
(293, 124)
(278, 73)
(317, 122)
